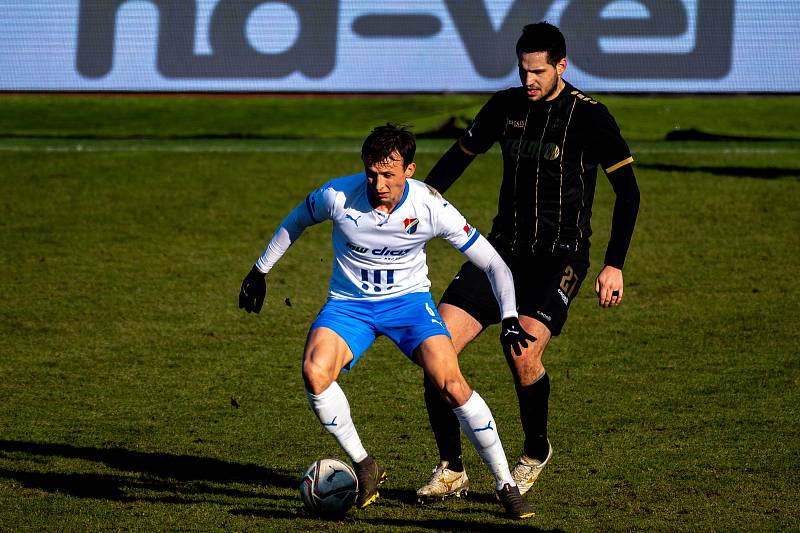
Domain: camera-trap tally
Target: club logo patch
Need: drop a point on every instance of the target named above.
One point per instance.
(411, 225)
(470, 231)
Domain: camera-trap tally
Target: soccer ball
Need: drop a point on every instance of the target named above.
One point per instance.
(329, 487)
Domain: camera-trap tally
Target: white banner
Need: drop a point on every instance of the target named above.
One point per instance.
(397, 46)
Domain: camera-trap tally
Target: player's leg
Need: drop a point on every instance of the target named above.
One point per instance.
(438, 358)
(325, 354)
(530, 376)
(330, 346)
(466, 307)
(463, 329)
(545, 288)
(416, 327)
(533, 392)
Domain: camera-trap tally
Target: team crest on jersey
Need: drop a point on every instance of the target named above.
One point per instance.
(551, 151)
(411, 225)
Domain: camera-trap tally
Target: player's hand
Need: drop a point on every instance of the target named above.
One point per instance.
(608, 287)
(253, 291)
(513, 338)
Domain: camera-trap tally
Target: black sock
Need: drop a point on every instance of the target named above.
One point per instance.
(446, 428)
(533, 401)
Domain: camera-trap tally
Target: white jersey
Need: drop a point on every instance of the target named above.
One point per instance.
(379, 255)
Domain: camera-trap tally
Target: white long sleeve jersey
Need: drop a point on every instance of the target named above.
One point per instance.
(378, 255)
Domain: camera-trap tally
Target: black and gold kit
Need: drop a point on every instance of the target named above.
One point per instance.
(551, 151)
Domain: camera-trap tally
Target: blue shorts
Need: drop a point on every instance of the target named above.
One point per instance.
(407, 320)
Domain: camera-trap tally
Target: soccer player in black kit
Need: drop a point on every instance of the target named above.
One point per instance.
(553, 138)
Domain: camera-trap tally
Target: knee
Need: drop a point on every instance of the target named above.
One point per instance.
(316, 377)
(537, 369)
(455, 391)
(529, 368)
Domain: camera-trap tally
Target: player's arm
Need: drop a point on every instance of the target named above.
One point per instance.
(481, 135)
(449, 167)
(612, 153)
(609, 284)
(254, 285)
(452, 226)
(483, 255)
(626, 209)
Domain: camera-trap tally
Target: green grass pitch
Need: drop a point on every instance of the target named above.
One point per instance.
(128, 223)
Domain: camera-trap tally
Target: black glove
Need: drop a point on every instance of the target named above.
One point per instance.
(513, 337)
(253, 291)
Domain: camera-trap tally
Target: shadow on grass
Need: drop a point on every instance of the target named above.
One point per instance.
(432, 524)
(182, 477)
(765, 173)
(409, 497)
(457, 525)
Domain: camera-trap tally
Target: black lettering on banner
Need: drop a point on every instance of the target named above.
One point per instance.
(313, 54)
(393, 25)
(483, 44)
(710, 58)
(583, 27)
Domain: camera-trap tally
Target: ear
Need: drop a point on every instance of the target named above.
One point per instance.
(410, 169)
(561, 66)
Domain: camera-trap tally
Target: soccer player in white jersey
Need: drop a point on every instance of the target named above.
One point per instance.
(382, 220)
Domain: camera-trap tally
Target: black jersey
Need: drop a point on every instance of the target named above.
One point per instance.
(551, 151)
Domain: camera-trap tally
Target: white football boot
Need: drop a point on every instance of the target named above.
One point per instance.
(527, 470)
(443, 483)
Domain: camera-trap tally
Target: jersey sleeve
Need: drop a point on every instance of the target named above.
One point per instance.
(485, 257)
(614, 157)
(317, 207)
(321, 203)
(451, 225)
(454, 228)
(623, 219)
(486, 129)
(609, 148)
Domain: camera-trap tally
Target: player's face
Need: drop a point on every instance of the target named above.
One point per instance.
(542, 80)
(387, 181)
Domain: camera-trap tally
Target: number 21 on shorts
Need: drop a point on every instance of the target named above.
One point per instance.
(569, 281)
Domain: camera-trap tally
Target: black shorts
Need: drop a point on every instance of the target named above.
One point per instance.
(545, 285)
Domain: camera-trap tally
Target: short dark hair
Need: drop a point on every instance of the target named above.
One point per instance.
(543, 37)
(385, 140)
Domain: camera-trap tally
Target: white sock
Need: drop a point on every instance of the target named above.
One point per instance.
(333, 411)
(478, 425)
